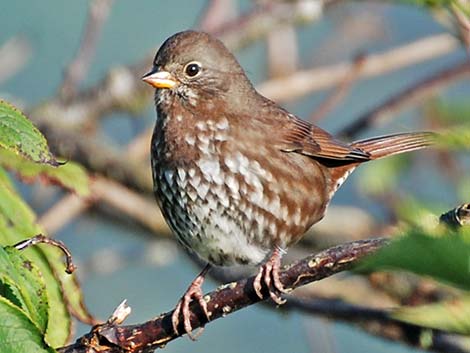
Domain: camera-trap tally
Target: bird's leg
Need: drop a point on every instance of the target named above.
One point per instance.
(194, 291)
(269, 274)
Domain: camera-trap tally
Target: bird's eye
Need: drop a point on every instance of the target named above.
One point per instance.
(192, 69)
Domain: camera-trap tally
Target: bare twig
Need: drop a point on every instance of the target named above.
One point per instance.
(408, 96)
(225, 300)
(76, 71)
(139, 208)
(341, 91)
(307, 81)
(139, 147)
(260, 21)
(216, 13)
(42, 239)
(110, 193)
(283, 51)
(63, 212)
(378, 322)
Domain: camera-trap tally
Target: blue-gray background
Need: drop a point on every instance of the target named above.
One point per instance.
(115, 256)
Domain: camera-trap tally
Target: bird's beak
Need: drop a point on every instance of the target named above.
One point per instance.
(159, 79)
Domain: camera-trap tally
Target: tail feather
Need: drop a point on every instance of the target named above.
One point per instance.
(379, 147)
(383, 146)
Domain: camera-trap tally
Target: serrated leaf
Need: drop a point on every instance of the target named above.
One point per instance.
(450, 316)
(17, 222)
(18, 134)
(70, 175)
(26, 283)
(17, 333)
(445, 258)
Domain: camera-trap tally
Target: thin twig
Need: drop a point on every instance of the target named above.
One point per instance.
(42, 239)
(142, 209)
(108, 192)
(139, 147)
(63, 212)
(225, 300)
(308, 81)
(378, 322)
(78, 68)
(282, 51)
(216, 13)
(406, 97)
(341, 91)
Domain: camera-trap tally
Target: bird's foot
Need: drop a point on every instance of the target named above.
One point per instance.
(269, 275)
(194, 292)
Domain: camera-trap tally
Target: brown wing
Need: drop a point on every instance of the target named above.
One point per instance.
(302, 137)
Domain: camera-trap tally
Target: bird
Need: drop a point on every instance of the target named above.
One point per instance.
(237, 177)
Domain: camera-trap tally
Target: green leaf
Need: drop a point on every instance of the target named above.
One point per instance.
(17, 222)
(449, 112)
(417, 214)
(5, 178)
(17, 333)
(382, 175)
(428, 3)
(70, 175)
(450, 316)
(18, 134)
(456, 138)
(26, 284)
(445, 258)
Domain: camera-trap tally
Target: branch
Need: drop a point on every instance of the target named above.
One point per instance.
(340, 91)
(146, 337)
(406, 97)
(76, 71)
(308, 81)
(108, 192)
(377, 322)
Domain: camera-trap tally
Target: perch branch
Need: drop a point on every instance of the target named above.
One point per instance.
(146, 337)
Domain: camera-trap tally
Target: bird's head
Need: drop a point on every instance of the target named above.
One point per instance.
(195, 67)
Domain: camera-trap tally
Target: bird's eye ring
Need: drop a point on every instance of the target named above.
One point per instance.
(192, 69)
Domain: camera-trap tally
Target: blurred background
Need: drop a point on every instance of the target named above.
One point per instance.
(75, 68)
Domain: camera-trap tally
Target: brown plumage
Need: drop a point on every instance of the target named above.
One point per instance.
(238, 178)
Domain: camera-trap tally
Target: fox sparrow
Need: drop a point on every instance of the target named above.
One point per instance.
(237, 177)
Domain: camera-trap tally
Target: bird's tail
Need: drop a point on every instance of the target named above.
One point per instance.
(383, 146)
(379, 147)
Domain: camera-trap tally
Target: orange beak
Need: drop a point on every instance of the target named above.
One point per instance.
(159, 79)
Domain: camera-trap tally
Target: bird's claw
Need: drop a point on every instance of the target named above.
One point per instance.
(269, 275)
(182, 308)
